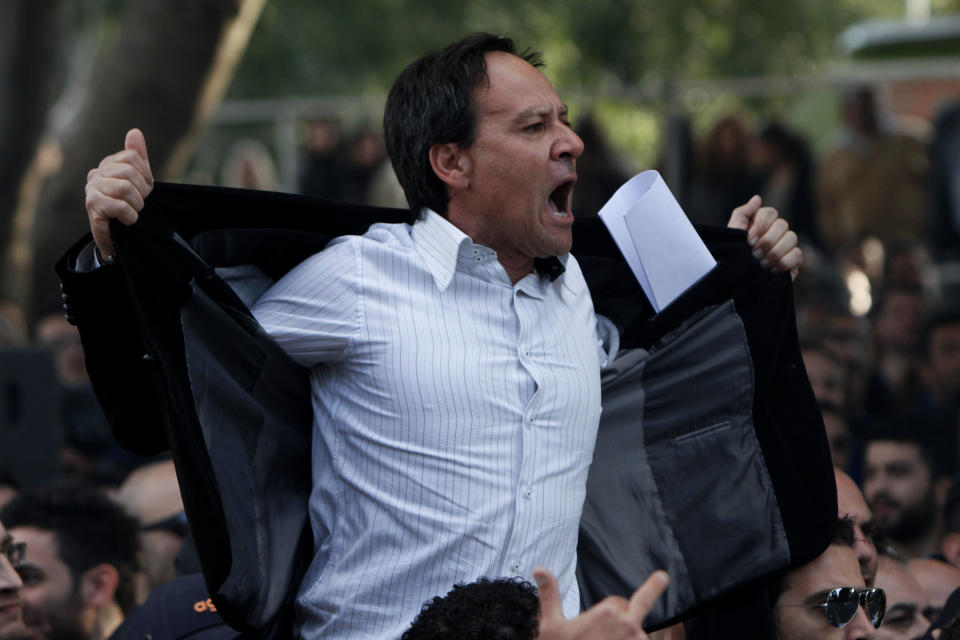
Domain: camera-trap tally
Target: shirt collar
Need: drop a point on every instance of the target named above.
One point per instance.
(440, 243)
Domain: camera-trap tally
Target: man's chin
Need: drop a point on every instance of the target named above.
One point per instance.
(18, 631)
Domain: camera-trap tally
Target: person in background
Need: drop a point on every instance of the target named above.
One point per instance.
(826, 597)
(151, 495)
(80, 562)
(906, 601)
(12, 626)
(938, 579)
(321, 173)
(874, 182)
(851, 504)
(905, 484)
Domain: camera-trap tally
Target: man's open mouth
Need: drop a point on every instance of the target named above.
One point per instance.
(560, 198)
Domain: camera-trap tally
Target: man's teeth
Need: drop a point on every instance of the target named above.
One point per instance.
(555, 210)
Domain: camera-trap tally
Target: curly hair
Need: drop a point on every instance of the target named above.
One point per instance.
(500, 609)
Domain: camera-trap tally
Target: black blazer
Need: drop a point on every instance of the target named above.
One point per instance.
(711, 460)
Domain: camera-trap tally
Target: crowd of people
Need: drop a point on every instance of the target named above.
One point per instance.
(85, 552)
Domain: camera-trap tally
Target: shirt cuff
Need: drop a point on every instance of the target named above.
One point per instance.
(609, 337)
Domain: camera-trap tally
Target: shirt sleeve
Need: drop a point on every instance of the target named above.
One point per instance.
(314, 312)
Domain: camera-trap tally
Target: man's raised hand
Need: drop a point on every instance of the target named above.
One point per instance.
(613, 618)
(774, 244)
(117, 188)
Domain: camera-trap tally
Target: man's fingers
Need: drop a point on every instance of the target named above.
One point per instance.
(643, 599)
(101, 236)
(121, 181)
(791, 262)
(781, 245)
(122, 172)
(743, 215)
(775, 228)
(551, 606)
(136, 142)
(760, 226)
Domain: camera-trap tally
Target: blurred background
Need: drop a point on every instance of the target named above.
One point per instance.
(842, 113)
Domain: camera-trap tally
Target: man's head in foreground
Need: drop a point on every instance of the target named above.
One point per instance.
(826, 597)
(11, 609)
(80, 561)
(850, 504)
(502, 609)
(478, 134)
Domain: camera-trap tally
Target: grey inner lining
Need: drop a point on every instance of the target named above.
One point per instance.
(678, 480)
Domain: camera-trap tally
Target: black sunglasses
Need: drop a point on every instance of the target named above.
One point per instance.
(840, 605)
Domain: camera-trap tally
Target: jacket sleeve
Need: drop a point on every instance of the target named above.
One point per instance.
(120, 368)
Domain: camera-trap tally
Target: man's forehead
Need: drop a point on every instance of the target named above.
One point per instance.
(835, 567)
(512, 83)
(900, 587)
(850, 500)
(891, 451)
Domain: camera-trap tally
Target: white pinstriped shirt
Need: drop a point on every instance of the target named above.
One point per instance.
(455, 416)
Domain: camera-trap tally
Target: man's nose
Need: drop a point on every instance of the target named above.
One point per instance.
(567, 145)
(9, 578)
(860, 627)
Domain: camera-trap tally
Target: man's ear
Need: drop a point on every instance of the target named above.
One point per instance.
(950, 547)
(451, 165)
(98, 585)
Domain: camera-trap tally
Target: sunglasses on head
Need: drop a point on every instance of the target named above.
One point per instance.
(840, 605)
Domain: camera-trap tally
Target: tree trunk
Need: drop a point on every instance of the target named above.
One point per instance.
(31, 64)
(169, 67)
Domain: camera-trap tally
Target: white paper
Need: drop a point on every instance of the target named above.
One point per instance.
(654, 235)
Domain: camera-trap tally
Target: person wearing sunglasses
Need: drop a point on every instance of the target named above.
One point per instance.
(12, 553)
(826, 598)
(906, 601)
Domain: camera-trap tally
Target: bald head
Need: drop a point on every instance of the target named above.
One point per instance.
(151, 493)
(937, 578)
(906, 602)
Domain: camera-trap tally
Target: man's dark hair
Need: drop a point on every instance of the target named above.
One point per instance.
(843, 536)
(90, 529)
(431, 102)
(947, 317)
(890, 290)
(951, 507)
(501, 609)
(922, 429)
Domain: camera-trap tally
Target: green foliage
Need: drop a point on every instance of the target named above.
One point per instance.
(304, 47)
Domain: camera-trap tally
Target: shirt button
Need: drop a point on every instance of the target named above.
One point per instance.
(530, 421)
(516, 567)
(528, 494)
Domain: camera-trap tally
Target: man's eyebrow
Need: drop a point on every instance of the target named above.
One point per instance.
(539, 112)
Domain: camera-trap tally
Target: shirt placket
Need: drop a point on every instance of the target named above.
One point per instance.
(525, 502)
